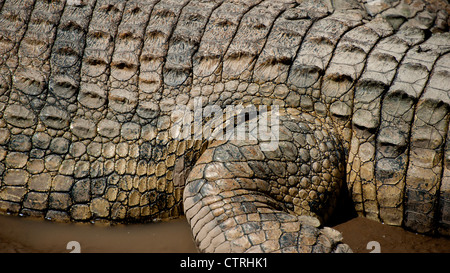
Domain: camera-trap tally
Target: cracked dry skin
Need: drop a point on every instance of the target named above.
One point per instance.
(88, 89)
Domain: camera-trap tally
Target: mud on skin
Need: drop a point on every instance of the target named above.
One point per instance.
(88, 91)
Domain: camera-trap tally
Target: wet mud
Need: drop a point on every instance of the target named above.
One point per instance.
(25, 235)
(32, 235)
(359, 232)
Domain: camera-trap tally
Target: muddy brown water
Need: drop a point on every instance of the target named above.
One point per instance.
(30, 235)
(359, 232)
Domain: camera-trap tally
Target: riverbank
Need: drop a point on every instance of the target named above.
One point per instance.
(24, 235)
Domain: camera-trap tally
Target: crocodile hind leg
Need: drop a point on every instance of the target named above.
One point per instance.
(240, 197)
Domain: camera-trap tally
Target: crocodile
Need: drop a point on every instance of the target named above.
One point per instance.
(115, 111)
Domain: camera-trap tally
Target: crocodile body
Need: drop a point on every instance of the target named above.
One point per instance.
(89, 92)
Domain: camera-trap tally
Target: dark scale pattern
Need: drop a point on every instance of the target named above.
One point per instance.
(302, 176)
(90, 92)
